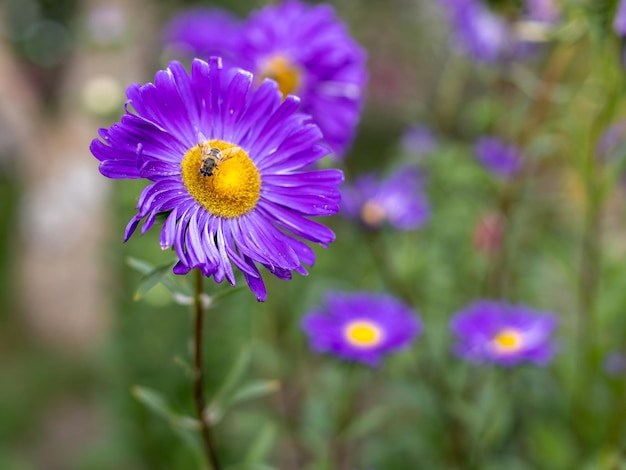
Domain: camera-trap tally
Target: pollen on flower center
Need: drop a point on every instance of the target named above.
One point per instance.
(222, 178)
(373, 213)
(507, 341)
(286, 74)
(363, 334)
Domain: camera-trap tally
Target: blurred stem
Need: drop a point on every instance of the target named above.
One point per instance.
(497, 278)
(289, 396)
(198, 378)
(344, 449)
(380, 256)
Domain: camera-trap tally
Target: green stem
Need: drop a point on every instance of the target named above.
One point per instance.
(198, 380)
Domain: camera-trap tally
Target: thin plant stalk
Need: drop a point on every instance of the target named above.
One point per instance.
(198, 378)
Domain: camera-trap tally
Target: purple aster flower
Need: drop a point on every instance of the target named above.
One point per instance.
(229, 165)
(498, 157)
(309, 52)
(361, 326)
(398, 200)
(502, 333)
(419, 140)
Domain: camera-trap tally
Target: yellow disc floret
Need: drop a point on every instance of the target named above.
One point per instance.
(508, 340)
(286, 74)
(363, 334)
(222, 178)
(372, 213)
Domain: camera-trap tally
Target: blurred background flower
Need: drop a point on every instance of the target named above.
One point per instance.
(502, 333)
(398, 200)
(361, 327)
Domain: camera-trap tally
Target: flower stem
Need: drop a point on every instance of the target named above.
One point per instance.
(198, 382)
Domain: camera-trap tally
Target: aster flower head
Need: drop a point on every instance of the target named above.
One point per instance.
(361, 326)
(498, 157)
(308, 51)
(229, 168)
(398, 200)
(502, 333)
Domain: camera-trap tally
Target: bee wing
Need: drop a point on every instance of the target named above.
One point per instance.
(201, 138)
(230, 152)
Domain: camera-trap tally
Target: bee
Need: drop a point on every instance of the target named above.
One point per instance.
(211, 157)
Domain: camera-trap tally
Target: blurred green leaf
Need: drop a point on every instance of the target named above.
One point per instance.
(158, 404)
(262, 445)
(253, 390)
(234, 376)
(153, 275)
(369, 421)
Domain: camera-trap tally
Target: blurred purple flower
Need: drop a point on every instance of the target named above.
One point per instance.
(502, 333)
(398, 200)
(498, 157)
(619, 22)
(203, 32)
(488, 37)
(545, 11)
(480, 33)
(614, 363)
(610, 140)
(305, 48)
(361, 326)
(419, 140)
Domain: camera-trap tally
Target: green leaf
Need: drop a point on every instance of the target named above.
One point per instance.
(226, 293)
(263, 444)
(141, 266)
(251, 466)
(235, 375)
(185, 366)
(369, 421)
(185, 427)
(156, 276)
(254, 390)
(157, 403)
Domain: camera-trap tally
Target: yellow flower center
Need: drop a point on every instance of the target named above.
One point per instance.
(363, 334)
(373, 214)
(222, 178)
(507, 341)
(286, 74)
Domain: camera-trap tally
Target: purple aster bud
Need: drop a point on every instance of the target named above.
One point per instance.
(398, 200)
(361, 326)
(501, 333)
(497, 157)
